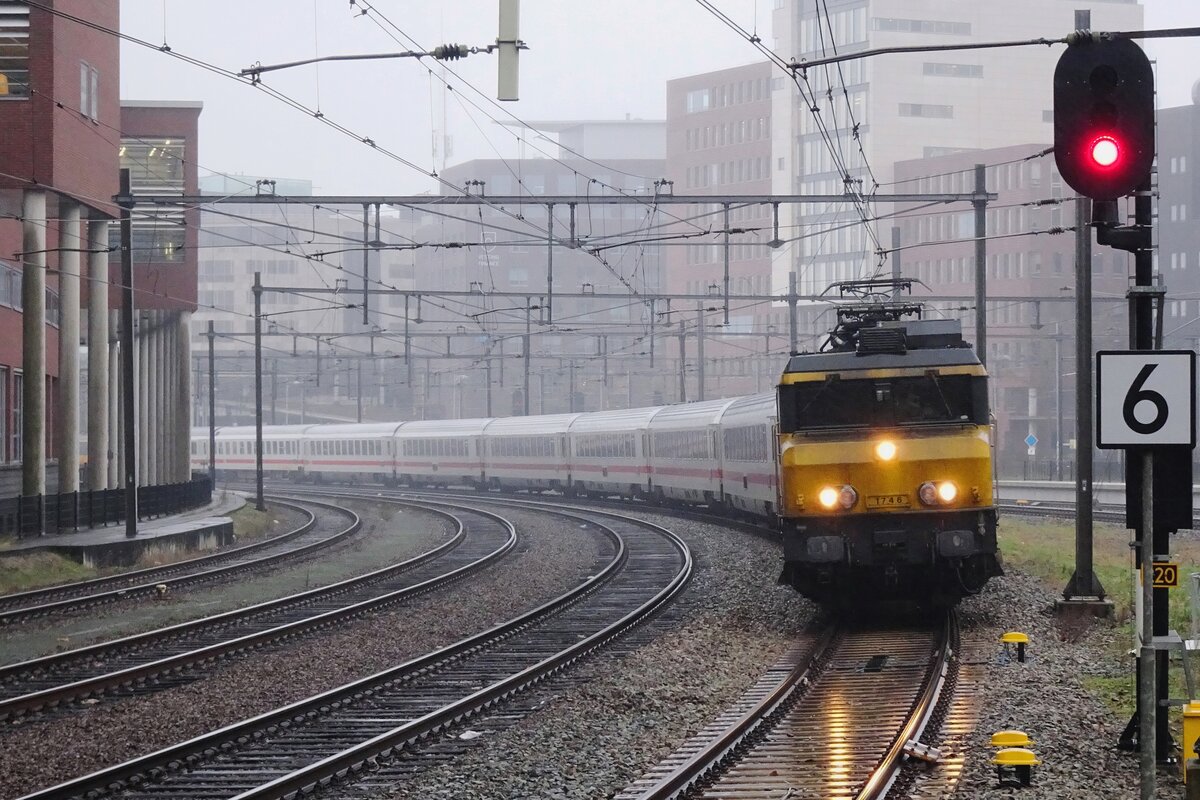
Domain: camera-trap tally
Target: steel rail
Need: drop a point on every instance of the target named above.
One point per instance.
(190, 754)
(131, 676)
(708, 760)
(889, 767)
(713, 755)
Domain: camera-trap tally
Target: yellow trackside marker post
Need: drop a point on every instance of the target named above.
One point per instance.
(1014, 766)
(1004, 739)
(1191, 733)
(1017, 638)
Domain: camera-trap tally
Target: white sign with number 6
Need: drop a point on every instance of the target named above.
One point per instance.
(1145, 398)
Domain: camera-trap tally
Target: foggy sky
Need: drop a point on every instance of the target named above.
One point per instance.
(601, 59)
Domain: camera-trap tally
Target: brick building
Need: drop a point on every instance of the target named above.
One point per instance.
(61, 144)
(719, 142)
(59, 114)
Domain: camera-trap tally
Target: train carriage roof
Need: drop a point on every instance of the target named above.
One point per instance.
(541, 424)
(442, 428)
(247, 431)
(752, 409)
(689, 415)
(619, 421)
(370, 430)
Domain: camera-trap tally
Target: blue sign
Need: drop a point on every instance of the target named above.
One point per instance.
(1031, 440)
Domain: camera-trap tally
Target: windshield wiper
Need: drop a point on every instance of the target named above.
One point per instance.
(829, 381)
(937, 384)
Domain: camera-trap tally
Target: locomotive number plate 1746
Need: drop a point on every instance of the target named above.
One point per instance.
(887, 501)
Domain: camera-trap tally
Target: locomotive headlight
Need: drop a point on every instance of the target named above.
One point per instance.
(828, 497)
(833, 496)
(885, 450)
(933, 494)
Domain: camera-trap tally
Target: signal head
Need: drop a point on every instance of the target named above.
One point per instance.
(1104, 117)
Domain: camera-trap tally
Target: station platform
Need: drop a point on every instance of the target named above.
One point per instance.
(202, 528)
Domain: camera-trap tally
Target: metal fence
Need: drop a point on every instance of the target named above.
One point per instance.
(66, 513)
(1109, 470)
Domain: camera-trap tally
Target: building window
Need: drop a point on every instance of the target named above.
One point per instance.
(697, 100)
(10, 287)
(14, 50)
(954, 70)
(926, 110)
(18, 406)
(921, 26)
(53, 308)
(89, 91)
(155, 166)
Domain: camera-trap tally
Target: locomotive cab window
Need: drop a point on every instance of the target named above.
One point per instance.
(929, 399)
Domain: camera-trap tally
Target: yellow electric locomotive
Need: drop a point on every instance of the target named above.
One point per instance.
(885, 460)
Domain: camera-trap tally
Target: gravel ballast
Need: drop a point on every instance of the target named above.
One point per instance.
(550, 558)
(622, 711)
(1074, 732)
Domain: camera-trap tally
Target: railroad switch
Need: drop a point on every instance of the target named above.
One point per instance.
(1014, 638)
(922, 752)
(1014, 766)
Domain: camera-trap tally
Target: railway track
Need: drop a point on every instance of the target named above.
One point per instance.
(303, 540)
(1112, 514)
(166, 657)
(832, 720)
(361, 726)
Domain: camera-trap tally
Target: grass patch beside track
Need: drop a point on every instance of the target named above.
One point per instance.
(19, 573)
(1046, 549)
(249, 523)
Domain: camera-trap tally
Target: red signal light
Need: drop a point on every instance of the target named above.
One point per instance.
(1105, 152)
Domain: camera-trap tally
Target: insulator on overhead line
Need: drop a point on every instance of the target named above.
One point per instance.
(450, 52)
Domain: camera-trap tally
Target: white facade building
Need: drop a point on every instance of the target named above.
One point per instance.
(906, 106)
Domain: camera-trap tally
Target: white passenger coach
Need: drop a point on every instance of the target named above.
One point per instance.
(713, 452)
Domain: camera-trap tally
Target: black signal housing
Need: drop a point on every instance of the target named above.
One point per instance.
(1104, 117)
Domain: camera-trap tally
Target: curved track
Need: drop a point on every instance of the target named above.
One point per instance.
(832, 721)
(64, 598)
(161, 658)
(359, 726)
